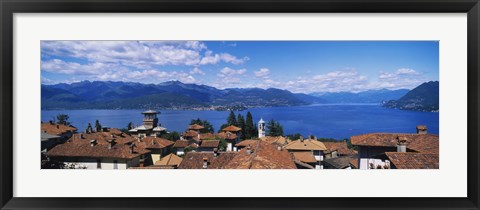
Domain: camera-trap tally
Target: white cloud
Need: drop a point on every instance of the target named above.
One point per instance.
(211, 58)
(197, 71)
(62, 67)
(401, 78)
(228, 72)
(139, 54)
(263, 72)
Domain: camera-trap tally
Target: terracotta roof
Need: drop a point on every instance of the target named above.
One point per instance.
(426, 143)
(232, 128)
(180, 144)
(307, 144)
(274, 139)
(195, 127)
(190, 133)
(207, 136)
(306, 157)
(194, 160)
(227, 135)
(210, 144)
(100, 150)
(413, 160)
(193, 145)
(263, 156)
(102, 137)
(421, 127)
(354, 163)
(245, 143)
(341, 148)
(169, 160)
(57, 129)
(340, 162)
(156, 143)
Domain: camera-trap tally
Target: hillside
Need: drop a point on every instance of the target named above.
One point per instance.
(425, 98)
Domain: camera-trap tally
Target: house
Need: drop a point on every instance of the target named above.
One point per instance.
(304, 160)
(340, 162)
(373, 147)
(208, 145)
(316, 148)
(99, 154)
(277, 140)
(157, 146)
(150, 126)
(261, 155)
(179, 147)
(336, 149)
(231, 135)
(170, 160)
(63, 131)
(412, 160)
(246, 143)
(206, 160)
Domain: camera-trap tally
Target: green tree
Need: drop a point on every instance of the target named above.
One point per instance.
(232, 120)
(98, 126)
(241, 124)
(222, 146)
(130, 126)
(294, 136)
(174, 136)
(63, 119)
(207, 126)
(249, 130)
(274, 128)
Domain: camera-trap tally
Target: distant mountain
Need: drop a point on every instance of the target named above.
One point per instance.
(370, 96)
(172, 94)
(177, 95)
(425, 97)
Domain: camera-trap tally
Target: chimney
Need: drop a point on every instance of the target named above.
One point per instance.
(93, 142)
(205, 163)
(249, 149)
(279, 148)
(301, 138)
(215, 152)
(401, 144)
(421, 129)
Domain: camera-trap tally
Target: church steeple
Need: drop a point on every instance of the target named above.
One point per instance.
(261, 128)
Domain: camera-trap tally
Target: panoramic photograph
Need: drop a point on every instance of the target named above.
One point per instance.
(170, 105)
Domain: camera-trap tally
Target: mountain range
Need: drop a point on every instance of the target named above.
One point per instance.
(425, 97)
(177, 95)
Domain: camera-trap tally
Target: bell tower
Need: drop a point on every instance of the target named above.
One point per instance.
(261, 128)
(150, 119)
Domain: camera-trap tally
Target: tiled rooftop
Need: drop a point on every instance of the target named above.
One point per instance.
(425, 143)
(412, 160)
(57, 129)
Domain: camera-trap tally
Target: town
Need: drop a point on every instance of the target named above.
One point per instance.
(238, 145)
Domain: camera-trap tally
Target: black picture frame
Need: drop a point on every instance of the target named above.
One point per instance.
(10, 7)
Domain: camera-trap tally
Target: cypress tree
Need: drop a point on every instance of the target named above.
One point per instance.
(241, 124)
(249, 126)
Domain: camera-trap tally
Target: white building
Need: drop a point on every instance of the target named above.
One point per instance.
(261, 128)
(150, 126)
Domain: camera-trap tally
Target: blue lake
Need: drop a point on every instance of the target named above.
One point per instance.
(326, 120)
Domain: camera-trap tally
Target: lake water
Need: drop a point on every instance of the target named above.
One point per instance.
(326, 120)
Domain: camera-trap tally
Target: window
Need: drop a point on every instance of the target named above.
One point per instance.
(115, 164)
(99, 164)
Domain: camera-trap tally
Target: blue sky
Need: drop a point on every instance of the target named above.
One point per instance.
(298, 66)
